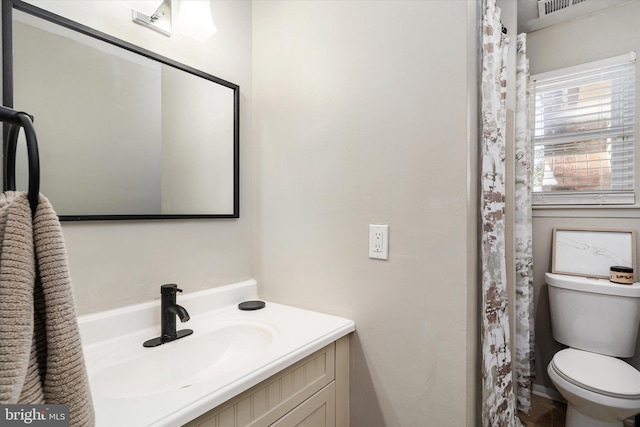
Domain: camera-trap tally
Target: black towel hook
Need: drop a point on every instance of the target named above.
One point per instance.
(17, 120)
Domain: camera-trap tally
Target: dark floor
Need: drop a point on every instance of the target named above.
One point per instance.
(548, 413)
(544, 413)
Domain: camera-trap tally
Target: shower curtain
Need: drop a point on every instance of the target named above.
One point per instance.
(498, 399)
(524, 360)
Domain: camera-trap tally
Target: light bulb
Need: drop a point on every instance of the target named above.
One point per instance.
(194, 19)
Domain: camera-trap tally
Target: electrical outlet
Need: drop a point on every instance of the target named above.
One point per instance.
(378, 241)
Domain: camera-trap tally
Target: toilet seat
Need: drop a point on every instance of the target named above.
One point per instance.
(598, 373)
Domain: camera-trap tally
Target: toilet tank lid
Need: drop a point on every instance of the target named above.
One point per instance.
(588, 284)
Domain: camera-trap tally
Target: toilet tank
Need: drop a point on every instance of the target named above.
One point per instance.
(594, 314)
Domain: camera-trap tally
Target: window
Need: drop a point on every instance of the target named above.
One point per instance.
(583, 133)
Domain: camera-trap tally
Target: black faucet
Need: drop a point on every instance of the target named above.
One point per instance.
(168, 312)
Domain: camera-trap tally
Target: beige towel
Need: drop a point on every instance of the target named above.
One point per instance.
(41, 358)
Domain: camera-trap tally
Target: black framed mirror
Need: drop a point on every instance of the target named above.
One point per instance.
(124, 133)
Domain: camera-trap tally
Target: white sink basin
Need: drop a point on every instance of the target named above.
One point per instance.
(229, 352)
(184, 362)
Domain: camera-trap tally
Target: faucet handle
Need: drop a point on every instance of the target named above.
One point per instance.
(169, 289)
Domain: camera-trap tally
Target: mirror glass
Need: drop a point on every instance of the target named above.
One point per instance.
(123, 133)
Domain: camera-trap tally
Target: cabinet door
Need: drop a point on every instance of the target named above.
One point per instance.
(272, 399)
(317, 411)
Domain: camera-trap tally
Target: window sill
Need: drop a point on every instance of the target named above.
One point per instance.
(587, 211)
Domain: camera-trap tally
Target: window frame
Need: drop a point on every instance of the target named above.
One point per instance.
(588, 198)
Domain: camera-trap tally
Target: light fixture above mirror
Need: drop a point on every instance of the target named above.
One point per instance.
(158, 19)
(192, 17)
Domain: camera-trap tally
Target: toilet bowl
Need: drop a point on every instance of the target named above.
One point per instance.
(601, 391)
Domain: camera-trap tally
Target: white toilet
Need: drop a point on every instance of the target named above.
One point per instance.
(599, 321)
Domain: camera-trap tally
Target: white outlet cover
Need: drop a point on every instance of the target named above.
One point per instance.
(378, 241)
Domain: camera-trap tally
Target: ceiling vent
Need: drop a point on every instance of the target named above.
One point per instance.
(547, 7)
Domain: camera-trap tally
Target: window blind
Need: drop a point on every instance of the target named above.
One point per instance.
(583, 133)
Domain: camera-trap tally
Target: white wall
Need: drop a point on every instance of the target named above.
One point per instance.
(361, 116)
(602, 35)
(117, 263)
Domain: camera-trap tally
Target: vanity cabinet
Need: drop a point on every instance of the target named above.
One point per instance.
(313, 392)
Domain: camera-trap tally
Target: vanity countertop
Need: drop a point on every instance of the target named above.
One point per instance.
(140, 397)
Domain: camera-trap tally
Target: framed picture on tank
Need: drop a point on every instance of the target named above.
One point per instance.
(592, 252)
